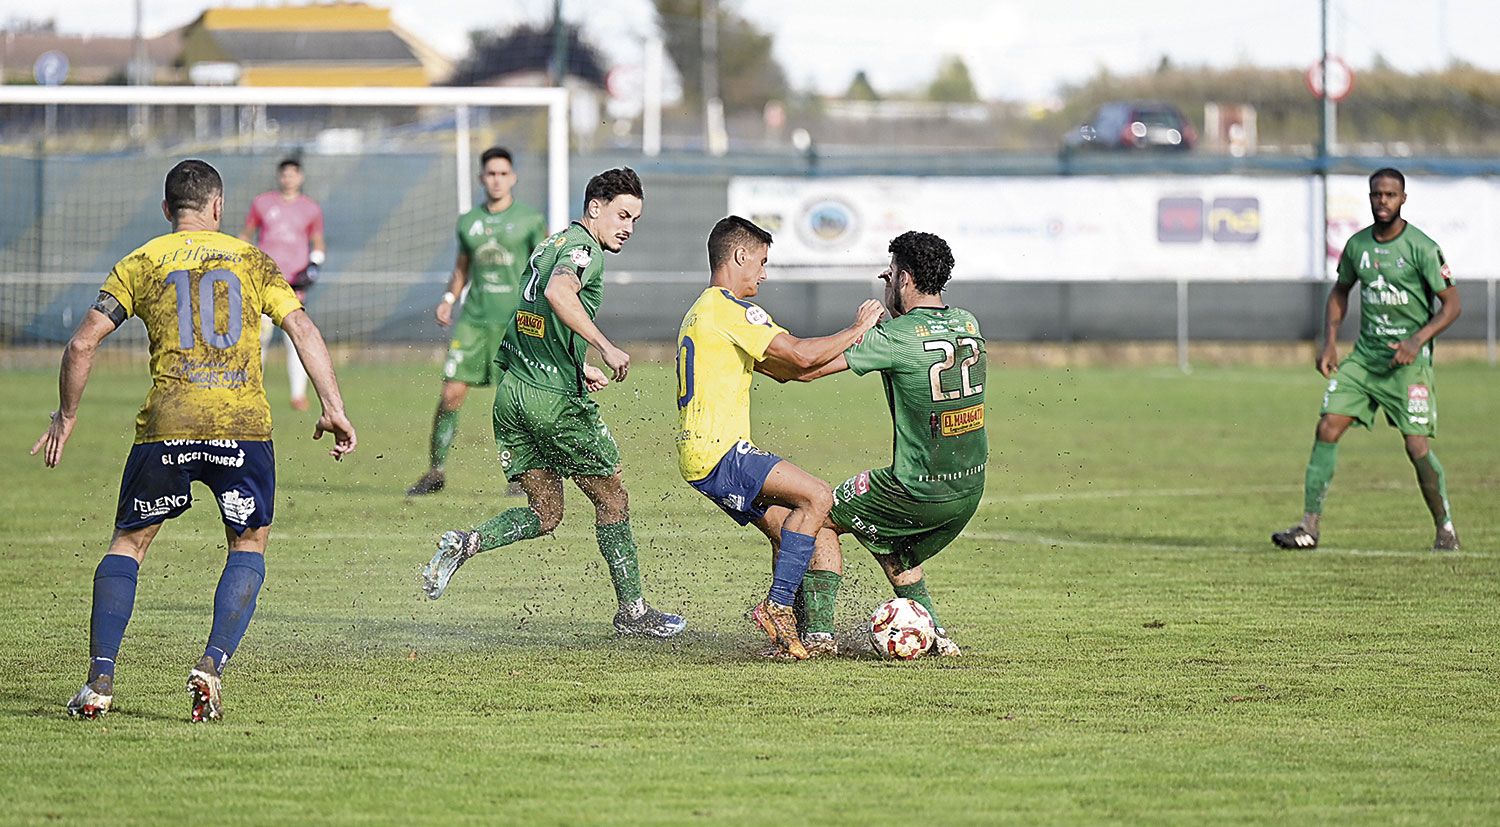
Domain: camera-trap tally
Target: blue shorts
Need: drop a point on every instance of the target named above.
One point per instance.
(157, 484)
(736, 481)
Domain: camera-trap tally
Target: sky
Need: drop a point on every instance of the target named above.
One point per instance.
(1015, 49)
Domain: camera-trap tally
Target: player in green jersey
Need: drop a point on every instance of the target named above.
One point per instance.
(931, 359)
(546, 427)
(1400, 271)
(494, 242)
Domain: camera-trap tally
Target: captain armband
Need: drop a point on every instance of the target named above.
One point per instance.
(110, 306)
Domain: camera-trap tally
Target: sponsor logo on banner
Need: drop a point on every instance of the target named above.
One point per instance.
(962, 421)
(1179, 220)
(1234, 220)
(828, 222)
(530, 324)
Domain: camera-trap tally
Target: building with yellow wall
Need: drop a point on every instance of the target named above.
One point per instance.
(330, 44)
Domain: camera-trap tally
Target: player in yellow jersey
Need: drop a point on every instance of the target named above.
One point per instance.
(722, 340)
(201, 294)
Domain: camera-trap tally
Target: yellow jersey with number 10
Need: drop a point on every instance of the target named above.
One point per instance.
(201, 296)
(720, 341)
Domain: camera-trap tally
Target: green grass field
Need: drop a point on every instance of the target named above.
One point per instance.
(1135, 650)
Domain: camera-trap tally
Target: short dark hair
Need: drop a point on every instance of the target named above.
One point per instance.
(192, 185)
(495, 152)
(732, 231)
(609, 184)
(926, 257)
(1389, 172)
(289, 162)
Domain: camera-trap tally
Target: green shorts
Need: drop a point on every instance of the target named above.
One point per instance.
(472, 352)
(872, 506)
(536, 428)
(1406, 396)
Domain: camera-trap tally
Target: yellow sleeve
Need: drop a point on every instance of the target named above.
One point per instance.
(278, 300)
(121, 282)
(747, 325)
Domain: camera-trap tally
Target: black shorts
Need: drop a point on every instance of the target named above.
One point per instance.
(157, 483)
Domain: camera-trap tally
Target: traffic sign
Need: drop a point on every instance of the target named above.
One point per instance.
(50, 69)
(1340, 79)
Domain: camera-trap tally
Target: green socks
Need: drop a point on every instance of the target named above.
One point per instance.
(918, 592)
(816, 601)
(509, 527)
(617, 545)
(1320, 475)
(444, 429)
(1434, 487)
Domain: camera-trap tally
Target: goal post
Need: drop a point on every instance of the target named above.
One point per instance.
(81, 170)
(461, 99)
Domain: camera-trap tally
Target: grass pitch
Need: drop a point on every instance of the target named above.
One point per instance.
(1135, 650)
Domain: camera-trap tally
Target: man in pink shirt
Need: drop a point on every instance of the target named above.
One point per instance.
(290, 228)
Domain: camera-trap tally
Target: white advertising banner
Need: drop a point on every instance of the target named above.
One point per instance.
(1099, 227)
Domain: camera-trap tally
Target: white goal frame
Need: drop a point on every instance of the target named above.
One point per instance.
(554, 99)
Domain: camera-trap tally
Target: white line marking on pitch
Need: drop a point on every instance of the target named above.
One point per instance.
(1041, 540)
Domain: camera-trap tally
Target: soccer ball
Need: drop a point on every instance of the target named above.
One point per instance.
(902, 629)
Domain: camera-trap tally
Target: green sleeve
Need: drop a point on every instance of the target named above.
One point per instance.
(1435, 271)
(1347, 274)
(874, 351)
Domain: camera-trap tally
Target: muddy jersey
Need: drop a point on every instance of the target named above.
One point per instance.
(201, 296)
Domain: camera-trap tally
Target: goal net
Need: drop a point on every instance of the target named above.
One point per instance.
(81, 169)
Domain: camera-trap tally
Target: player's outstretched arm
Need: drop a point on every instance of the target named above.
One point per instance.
(562, 294)
(1333, 316)
(314, 355)
(77, 362)
(804, 354)
(783, 372)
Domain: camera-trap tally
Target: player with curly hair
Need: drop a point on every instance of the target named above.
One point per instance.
(931, 358)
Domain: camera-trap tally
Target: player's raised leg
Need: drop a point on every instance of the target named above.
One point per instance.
(617, 546)
(1319, 476)
(1434, 485)
(541, 514)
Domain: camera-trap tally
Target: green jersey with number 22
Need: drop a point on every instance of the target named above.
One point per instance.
(932, 363)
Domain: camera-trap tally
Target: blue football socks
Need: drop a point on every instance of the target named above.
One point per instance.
(791, 564)
(234, 603)
(114, 599)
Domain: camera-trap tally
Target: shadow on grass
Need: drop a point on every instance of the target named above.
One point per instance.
(16, 705)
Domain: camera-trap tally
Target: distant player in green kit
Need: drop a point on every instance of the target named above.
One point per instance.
(931, 359)
(546, 427)
(494, 242)
(1399, 271)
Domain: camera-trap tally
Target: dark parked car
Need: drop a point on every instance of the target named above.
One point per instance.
(1133, 125)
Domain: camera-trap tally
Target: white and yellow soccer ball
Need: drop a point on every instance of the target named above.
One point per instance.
(901, 628)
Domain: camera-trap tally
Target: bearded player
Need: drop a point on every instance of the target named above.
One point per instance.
(1400, 272)
(931, 359)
